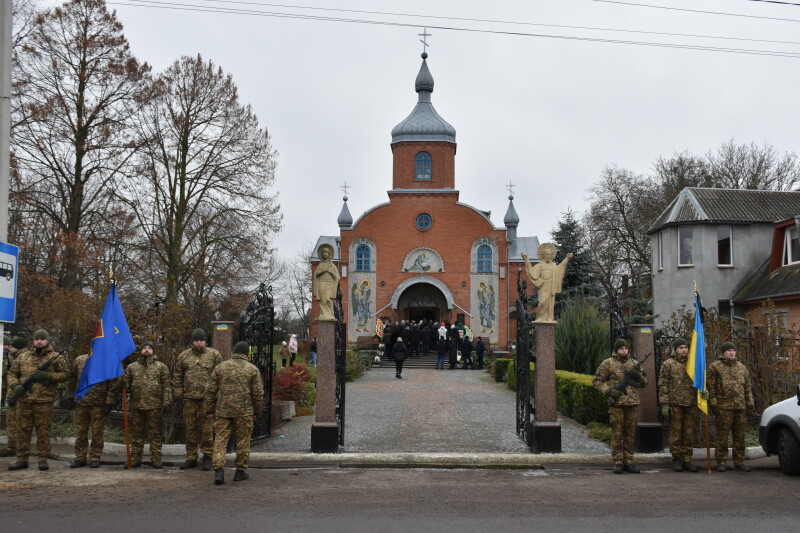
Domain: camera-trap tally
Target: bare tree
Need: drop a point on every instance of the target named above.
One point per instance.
(739, 166)
(78, 83)
(298, 286)
(200, 192)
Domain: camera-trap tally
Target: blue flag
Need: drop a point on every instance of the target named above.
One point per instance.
(696, 364)
(111, 344)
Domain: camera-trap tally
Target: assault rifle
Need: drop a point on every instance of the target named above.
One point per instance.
(28, 383)
(627, 380)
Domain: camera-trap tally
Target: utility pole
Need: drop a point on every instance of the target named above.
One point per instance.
(5, 126)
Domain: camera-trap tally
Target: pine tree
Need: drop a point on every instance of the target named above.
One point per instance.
(578, 278)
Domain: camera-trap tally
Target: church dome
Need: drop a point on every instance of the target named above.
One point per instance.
(424, 123)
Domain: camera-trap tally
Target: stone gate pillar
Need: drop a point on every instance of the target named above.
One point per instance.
(648, 428)
(546, 428)
(222, 338)
(325, 429)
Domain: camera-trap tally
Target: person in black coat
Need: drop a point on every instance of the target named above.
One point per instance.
(441, 352)
(466, 354)
(480, 350)
(399, 355)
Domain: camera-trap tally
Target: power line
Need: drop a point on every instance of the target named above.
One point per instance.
(695, 11)
(776, 2)
(153, 4)
(495, 21)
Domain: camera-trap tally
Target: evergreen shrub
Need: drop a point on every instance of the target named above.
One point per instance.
(582, 334)
(501, 368)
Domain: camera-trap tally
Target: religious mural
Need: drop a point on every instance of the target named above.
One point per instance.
(423, 260)
(360, 304)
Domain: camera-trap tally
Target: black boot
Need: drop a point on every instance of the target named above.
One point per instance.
(677, 465)
(78, 463)
(631, 469)
(206, 462)
(94, 464)
(219, 476)
(189, 463)
(689, 467)
(18, 465)
(43, 466)
(241, 475)
(617, 468)
(5, 452)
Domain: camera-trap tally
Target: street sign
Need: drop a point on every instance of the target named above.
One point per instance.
(9, 270)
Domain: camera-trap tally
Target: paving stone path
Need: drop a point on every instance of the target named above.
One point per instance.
(428, 411)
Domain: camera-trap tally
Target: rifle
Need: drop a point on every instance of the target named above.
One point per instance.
(12, 401)
(627, 380)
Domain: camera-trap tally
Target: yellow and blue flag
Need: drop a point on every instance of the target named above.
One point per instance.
(111, 344)
(696, 364)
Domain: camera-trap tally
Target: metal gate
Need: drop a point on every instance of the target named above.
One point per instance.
(256, 328)
(340, 342)
(522, 363)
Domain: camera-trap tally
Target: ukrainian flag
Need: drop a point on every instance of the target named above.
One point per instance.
(112, 343)
(696, 364)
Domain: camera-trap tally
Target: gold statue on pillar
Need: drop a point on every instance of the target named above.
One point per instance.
(326, 281)
(547, 277)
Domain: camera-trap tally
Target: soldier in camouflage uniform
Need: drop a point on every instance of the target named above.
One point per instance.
(90, 414)
(234, 395)
(190, 382)
(678, 399)
(730, 398)
(622, 413)
(35, 408)
(18, 344)
(148, 381)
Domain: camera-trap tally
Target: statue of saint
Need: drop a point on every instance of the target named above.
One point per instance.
(326, 281)
(547, 277)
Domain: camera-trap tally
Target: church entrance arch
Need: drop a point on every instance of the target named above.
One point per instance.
(422, 297)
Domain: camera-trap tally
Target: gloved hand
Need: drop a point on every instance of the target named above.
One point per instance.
(19, 390)
(41, 375)
(614, 393)
(107, 409)
(635, 374)
(704, 395)
(69, 403)
(666, 412)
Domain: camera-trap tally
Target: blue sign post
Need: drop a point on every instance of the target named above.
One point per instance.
(9, 270)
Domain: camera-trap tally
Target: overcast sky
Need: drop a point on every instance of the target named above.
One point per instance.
(544, 113)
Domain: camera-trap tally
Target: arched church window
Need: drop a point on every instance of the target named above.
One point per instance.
(484, 258)
(362, 258)
(424, 166)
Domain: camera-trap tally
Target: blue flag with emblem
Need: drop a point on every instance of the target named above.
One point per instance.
(696, 363)
(111, 344)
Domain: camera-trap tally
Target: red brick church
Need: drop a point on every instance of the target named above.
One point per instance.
(424, 254)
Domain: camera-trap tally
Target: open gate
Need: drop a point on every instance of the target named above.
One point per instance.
(522, 363)
(256, 328)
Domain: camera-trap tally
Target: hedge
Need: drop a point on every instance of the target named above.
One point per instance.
(575, 395)
(501, 368)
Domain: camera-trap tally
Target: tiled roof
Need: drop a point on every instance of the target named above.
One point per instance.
(738, 206)
(763, 284)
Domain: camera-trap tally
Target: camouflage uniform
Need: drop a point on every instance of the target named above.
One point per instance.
(11, 410)
(234, 395)
(90, 412)
(676, 390)
(622, 415)
(190, 382)
(148, 382)
(35, 409)
(730, 398)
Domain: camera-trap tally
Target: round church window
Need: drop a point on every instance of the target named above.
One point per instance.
(424, 221)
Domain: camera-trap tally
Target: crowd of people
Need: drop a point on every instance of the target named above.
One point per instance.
(453, 342)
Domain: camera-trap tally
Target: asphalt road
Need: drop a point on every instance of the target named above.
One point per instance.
(562, 498)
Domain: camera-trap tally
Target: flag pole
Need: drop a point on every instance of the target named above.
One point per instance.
(124, 395)
(708, 445)
(700, 393)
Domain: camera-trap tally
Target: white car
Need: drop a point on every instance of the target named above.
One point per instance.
(779, 433)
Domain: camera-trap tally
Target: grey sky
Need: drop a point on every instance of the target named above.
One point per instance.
(546, 114)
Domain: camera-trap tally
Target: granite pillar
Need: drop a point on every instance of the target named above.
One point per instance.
(648, 428)
(325, 429)
(222, 338)
(546, 428)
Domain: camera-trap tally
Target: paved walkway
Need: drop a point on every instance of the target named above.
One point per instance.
(428, 411)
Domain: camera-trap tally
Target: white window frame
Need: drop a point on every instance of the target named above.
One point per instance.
(730, 238)
(660, 245)
(691, 250)
(788, 258)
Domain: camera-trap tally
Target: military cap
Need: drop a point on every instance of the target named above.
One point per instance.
(6, 340)
(19, 343)
(620, 343)
(148, 343)
(242, 348)
(727, 346)
(41, 334)
(199, 335)
(680, 341)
